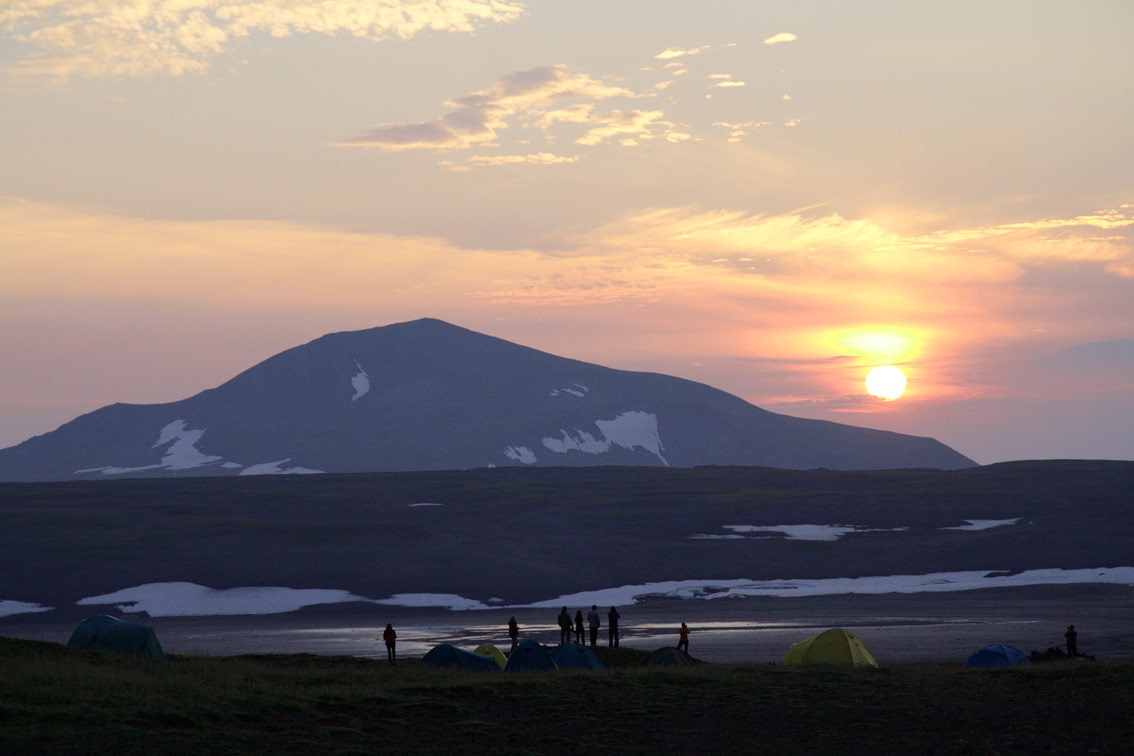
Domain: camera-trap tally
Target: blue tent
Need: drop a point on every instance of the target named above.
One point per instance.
(448, 655)
(529, 656)
(997, 655)
(576, 655)
(113, 634)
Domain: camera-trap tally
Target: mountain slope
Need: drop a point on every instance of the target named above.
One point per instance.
(427, 395)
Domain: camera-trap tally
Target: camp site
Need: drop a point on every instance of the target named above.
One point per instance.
(111, 689)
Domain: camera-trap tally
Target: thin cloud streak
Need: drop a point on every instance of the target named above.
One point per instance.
(479, 117)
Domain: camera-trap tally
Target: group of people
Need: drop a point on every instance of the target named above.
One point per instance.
(569, 625)
(593, 621)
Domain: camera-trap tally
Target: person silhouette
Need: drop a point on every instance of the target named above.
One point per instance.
(593, 621)
(564, 627)
(1072, 641)
(612, 627)
(683, 638)
(513, 632)
(579, 627)
(390, 636)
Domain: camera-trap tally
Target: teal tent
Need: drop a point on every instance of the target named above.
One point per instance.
(998, 655)
(576, 656)
(670, 657)
(448, 655)
(111, 633)
(529, 656)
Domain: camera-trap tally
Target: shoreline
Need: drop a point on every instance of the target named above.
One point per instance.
(895, 627)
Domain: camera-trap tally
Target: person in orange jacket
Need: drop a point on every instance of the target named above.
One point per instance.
(683, 638)
(390, 636)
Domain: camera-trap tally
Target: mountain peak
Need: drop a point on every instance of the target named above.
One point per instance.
(426, 394)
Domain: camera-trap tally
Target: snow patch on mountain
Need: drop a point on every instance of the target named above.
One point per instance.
(634, 429)
(584, 442)
(274, 468)
(629, 430)
(578, 390)
(520, 454)
(182, 453)
(360, 381)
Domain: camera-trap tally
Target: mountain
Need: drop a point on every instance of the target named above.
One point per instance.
(427, 395)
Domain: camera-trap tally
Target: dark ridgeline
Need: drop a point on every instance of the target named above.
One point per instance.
(427, 395)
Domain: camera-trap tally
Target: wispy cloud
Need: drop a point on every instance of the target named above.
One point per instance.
(780, 38)
(629, 128)
(477, 118)
(738, 130)
(535, 158)
(728, 84)
(679, 52)
(101, 38)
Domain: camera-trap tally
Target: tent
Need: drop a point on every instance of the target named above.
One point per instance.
(576, 656)
(448, 655)
(835, 646)
(670, 657)
(529, 656)
(997, 655)
(492, 652)
(106, 632)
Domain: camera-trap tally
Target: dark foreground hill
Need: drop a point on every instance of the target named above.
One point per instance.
(65, 701)
(427, 395)
(532, 534)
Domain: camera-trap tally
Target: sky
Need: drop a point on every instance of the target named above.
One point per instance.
(767, 197)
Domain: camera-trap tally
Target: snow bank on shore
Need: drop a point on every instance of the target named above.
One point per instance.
(190, 599)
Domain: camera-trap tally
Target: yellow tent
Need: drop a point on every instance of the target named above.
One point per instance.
(835, 646)
(492, 652)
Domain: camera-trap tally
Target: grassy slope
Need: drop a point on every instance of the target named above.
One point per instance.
(63, 701)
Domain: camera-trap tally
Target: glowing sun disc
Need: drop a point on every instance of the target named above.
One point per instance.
(886, 382)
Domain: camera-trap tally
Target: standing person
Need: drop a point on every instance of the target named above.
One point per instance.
(683, 638)
(513, 632)
(579, 627)
(593, 621)
(612, 627)
(564, 626)
(390, 636)
(1072, 641)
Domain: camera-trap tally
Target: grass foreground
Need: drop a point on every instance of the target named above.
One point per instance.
(58, 700)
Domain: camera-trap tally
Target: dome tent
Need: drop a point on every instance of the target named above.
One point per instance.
(529, 656)
(576, 656)
(492, 652)
(448, 655)
(998, 655)
(669, 656)
(110, 633)
(835, 646)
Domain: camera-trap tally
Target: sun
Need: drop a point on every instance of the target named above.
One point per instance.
(886, 382)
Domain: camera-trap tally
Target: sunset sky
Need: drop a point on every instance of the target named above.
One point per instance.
(767, 197)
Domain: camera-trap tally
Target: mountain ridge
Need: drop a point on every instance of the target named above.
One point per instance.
(429, 395)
